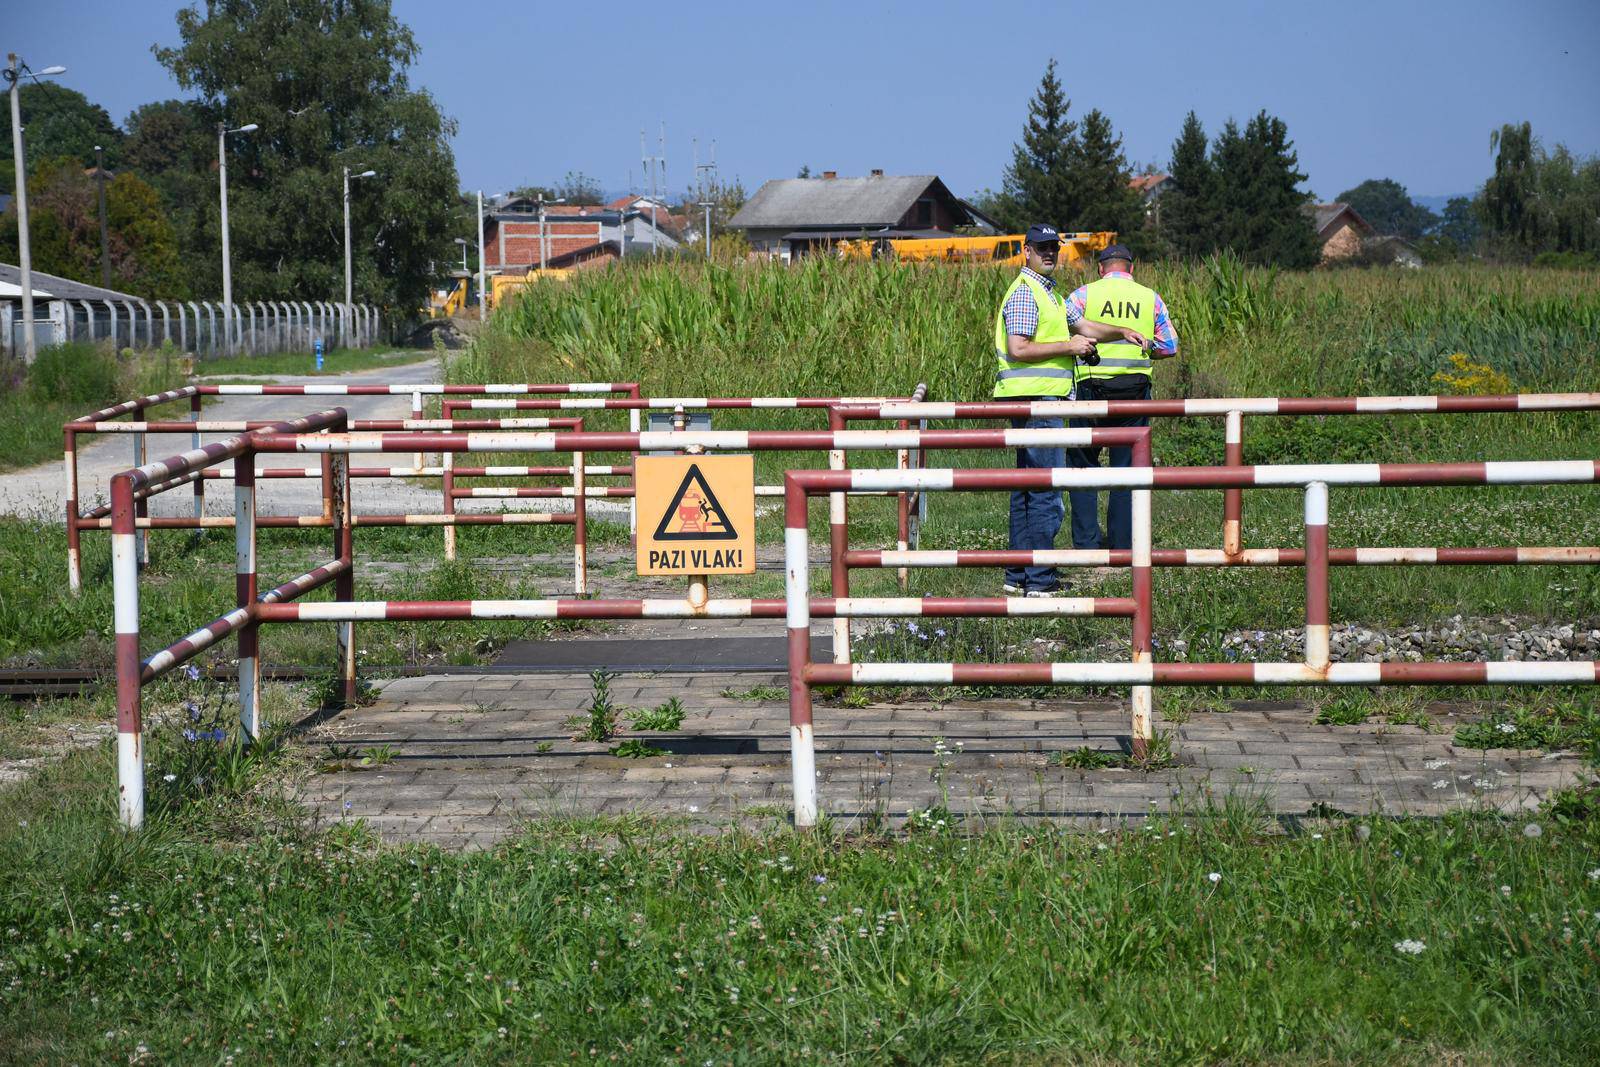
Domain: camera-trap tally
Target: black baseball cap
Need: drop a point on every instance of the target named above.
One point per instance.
(1115, 252)
(1040, 234)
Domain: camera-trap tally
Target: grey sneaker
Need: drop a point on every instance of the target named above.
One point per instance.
(1012, 590)
(1046, 594)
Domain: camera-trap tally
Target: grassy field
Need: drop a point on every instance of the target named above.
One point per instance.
(228, 930)
(231, 930)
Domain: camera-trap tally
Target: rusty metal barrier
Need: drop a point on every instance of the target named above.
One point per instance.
(323, 434)
(1142, 672)
(679, 406)
(1232, 553)
(104, 421)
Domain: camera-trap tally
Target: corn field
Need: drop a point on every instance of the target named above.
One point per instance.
(825, 327)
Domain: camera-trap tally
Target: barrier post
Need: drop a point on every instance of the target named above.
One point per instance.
(447, 460)
(802, 738)
(125, 591)
(1142, 697)
(1233, 499)
(344, 584)
(838, 544)
(244, 583)
(416, 413)
(1317, 652)
(903, 506)
(74, 543)
(194, 442)
(141, 508)
(580, 526)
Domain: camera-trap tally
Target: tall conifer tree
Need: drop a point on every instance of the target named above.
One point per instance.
(1036, 183)
(1098, 174)
(1188, 206)
(1260, 206)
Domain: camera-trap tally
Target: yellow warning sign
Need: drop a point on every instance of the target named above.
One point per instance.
(697, 514)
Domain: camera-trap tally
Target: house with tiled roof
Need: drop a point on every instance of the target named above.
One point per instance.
(798, 216)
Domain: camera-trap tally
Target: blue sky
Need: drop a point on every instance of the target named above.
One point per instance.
(1401, 89)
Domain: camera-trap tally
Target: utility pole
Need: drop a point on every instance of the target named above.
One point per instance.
(483, 310)
(105, 239)
(544, 233)
(704, 172)
(13, 74)
(652, 163)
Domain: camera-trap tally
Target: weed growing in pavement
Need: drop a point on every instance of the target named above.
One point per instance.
(1346, 709)
(1088, 758)
(1559, 724)
(666, 716)
(757, 692)
(637, 748)
(1158, 756)
(601, 724)
(378, 755)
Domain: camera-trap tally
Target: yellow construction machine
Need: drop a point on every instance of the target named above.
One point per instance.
(1006, 249)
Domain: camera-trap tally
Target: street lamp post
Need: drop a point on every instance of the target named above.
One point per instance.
(227, 266)
(344, 324)
(13, 74)
(483, 306)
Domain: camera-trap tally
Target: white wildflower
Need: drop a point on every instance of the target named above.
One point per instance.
(1214, 877)
(1410, 947)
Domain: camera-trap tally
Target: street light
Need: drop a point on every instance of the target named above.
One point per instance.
(227, 267)
(465, 244)
(344, 325)
(13, 74)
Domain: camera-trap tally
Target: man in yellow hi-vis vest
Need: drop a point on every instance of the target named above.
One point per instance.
(1038, 339)
(1122, 373)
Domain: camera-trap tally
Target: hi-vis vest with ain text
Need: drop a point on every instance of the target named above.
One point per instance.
(1051, 377)
(1120, 302)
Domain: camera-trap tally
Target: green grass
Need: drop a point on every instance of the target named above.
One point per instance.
(226, 927)
(338, 361)
(66, 382)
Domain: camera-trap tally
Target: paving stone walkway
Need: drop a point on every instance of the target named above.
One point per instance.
(473, 755)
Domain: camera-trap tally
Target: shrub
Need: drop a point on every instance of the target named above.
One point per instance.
(82, 374)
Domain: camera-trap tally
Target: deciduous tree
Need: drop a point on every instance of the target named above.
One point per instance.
(1385, 204)
(326, 81)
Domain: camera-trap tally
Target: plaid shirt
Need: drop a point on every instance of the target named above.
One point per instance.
(1022, 311)
(1165, 340)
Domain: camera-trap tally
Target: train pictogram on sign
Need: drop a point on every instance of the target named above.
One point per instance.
(695, 514)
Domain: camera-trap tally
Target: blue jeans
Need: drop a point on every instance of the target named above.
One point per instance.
(1036, 514)
(1086, 532)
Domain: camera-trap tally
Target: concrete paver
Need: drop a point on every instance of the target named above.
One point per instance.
(464, 779)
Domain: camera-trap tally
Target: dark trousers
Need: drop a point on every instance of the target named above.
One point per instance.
(1118, 533)
(1035, 513)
